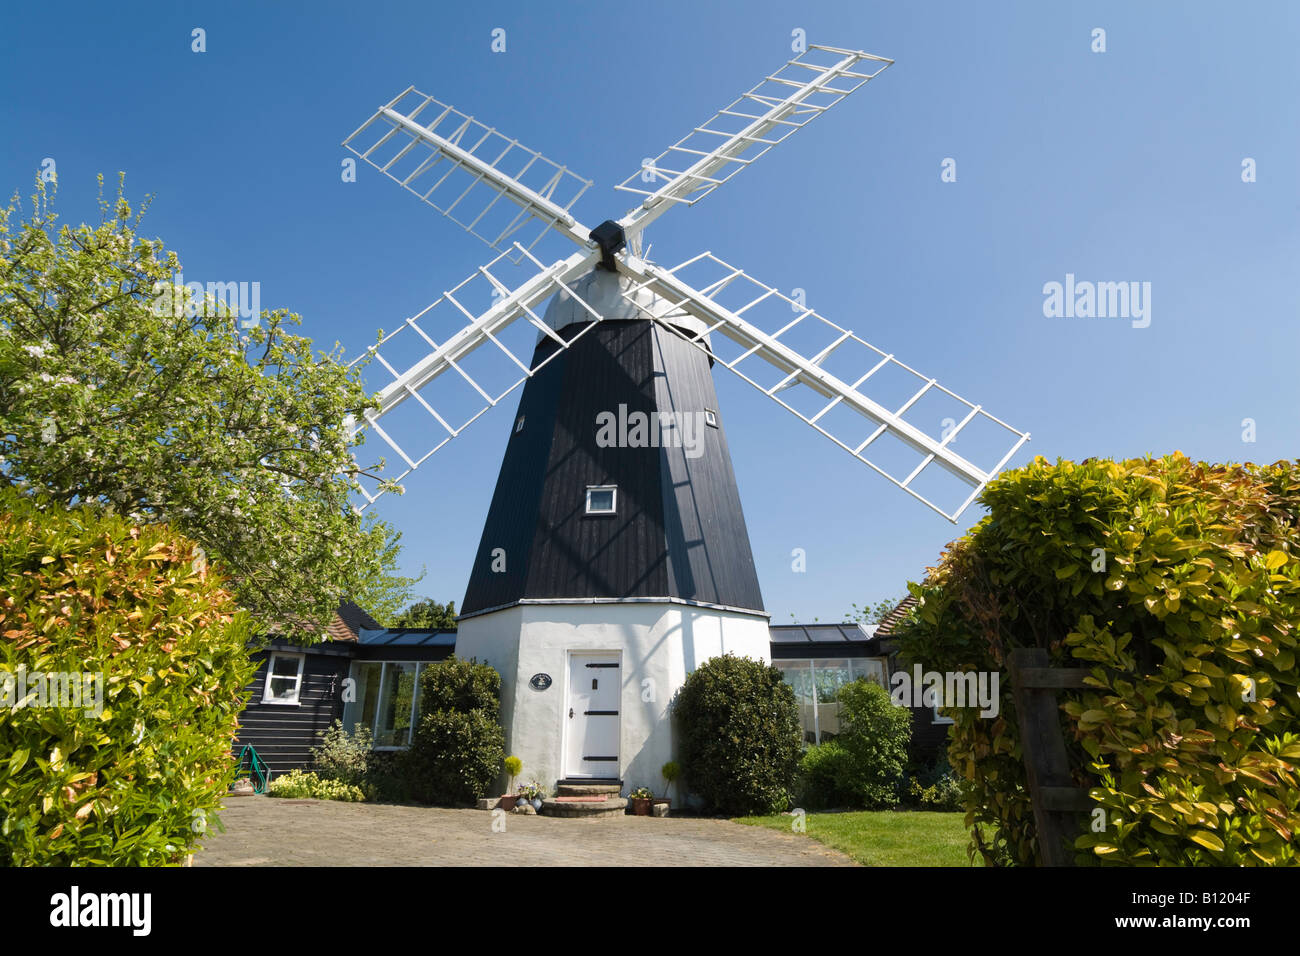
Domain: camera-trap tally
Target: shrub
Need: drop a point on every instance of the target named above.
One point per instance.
(670, 772)
(1178, 584)
(344, 756)
(133, 783)
(935, 787)
(863, 766)
(304, 785)
(458, 749)
(820, 771)
(945, 794)
(387, 777)
(874, 734)
(455, 758)
(461, 687)
(739, 736)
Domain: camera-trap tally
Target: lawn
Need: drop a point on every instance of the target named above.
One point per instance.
(884, 838)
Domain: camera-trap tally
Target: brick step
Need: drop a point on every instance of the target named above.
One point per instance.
(587, 789)
(588, 806)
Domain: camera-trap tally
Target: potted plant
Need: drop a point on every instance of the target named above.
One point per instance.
(670, 771)
(533, 793)
(640, 800)
(511, 799)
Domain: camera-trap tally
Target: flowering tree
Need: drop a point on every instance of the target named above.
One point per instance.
(119, 391)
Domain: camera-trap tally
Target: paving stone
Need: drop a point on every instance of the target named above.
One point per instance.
(269, 831)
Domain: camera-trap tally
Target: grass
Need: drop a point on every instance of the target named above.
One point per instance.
(884, 838)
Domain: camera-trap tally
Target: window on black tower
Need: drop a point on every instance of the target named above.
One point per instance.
(602, 499)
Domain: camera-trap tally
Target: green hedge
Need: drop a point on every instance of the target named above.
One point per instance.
(738, 735)
(1178, 584)
(133, 779)
(458, 749)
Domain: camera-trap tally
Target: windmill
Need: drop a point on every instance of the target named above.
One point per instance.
(615, 557)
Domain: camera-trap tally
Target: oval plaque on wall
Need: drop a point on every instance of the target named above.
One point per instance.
(540, 681)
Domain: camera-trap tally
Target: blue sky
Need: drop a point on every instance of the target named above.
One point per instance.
(1117, 166)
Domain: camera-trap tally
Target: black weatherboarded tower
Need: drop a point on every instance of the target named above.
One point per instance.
(673, 528)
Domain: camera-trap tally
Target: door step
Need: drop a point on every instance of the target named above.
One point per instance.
(588, 788)
(594, 805)
(585, 797)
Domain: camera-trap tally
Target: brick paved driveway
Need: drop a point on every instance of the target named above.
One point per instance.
(266, 831)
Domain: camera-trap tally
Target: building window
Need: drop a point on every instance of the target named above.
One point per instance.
(396, 714)
(283, 678)
(799, 675)
(602, 499)
(872, 668)
(816, 684)
(829, 677)
(387, 702)
(519, 424)
(711, 418)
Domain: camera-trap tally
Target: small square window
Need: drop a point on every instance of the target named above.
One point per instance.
(602, 499)
(283, 679)
(519, 424)
(711, 418)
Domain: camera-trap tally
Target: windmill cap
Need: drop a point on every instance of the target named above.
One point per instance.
(617, 299)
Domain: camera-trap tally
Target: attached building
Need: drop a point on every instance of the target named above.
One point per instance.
(369, 675)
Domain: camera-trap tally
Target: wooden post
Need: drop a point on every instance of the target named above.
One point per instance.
(1057, 801)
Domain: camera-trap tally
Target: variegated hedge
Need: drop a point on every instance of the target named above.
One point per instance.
(1178, 584)
(123, 663)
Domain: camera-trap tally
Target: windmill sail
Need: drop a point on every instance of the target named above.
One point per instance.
(763, 117)
(862, 398)
(464, 169)
(482, 377)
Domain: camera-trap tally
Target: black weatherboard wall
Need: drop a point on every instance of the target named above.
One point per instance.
(679, 531)
(283, 734)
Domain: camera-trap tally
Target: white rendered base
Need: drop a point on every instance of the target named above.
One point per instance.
(659, 644)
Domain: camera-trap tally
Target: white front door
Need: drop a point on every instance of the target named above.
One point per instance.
(592, 717)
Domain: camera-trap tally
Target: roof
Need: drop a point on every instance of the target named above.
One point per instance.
(895, 617)
(408, 637)
(349, 621)
(820, 633)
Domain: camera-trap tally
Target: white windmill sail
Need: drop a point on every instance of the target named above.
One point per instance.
(855, 394)
(496, 309)
(734, 137)
(463, 169)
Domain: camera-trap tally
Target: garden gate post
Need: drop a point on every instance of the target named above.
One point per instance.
(1056, 800)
